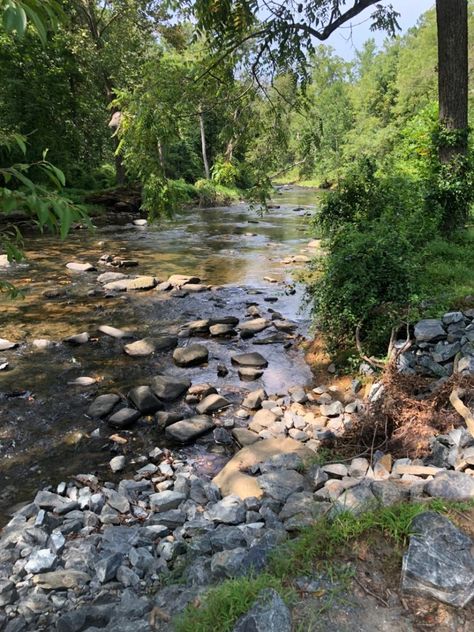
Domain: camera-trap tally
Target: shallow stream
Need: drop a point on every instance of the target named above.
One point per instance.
(44, 433)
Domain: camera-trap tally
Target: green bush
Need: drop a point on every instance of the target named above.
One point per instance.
(368, 278)
(225, 173)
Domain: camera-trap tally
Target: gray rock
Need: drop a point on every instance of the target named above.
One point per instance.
(189, 429)
(254, 360)
(229, 510)
(103, 405)
(249, 374)
(107, 277)
(269, 614)
(355, 500)
(211, 404)
(41, 561)
(191, 355)
(7, 344)
(453, 317)
(439, 562)
(169, 388)
(164, 501)
(284, 461)
(332, 410)
(429, 330)
(143, 398)
(281, 484)
(117, 501)
(107, 567)
(8, 593)
(390, 492)
(178, 280)
(124, 418)
(254, 326)
(222, 436)
(451, 485)
(54, 502)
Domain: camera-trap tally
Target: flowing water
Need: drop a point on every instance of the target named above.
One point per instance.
(44, 433)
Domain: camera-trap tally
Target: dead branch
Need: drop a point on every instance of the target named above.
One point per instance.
(462, 409)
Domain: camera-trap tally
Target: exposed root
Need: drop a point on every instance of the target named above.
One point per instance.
(412, 411)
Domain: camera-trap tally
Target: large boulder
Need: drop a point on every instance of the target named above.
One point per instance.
(254, 360)
(429, 330)
(232, 479)
(439, 562)
(451, 485)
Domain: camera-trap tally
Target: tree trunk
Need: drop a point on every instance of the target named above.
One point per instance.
(203, 145)
(451, 16)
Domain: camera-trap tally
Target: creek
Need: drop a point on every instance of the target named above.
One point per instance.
(45, 436)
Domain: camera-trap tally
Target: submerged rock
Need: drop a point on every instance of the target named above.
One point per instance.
(80, 267)
(439, 562)
(78, 339)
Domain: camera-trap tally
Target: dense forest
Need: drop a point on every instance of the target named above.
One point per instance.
(130, 93)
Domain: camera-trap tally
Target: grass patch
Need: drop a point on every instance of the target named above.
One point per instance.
(317, 548)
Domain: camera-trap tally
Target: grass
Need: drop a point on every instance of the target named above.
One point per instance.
(317, 548)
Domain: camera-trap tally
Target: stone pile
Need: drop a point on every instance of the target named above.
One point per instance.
(441, 347)
(90, 555)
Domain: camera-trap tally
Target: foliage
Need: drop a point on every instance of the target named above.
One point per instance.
(20, 193)
(225, 172)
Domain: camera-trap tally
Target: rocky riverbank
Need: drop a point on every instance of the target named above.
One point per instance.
(91, 554)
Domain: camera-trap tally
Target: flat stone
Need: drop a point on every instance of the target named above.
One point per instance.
(439, 562)
(451, 486)
(178, 280)
(103, 405)
(164, 501)
(281, 484)
(191, 355)
(113, 332)
(189, 429)
(254, 326)
(124, 418)
(107, 277)
(269, 614)
(53, 502)
(232, 479)
(61, 579)
(211, 404)
(143, 398)
(140, 283)
(80, 267)
(429, 330)
(144, 347)
(335, 470)
(254, 360)
(169, 388)
(244, 437)
(453, 317)
(77, 339)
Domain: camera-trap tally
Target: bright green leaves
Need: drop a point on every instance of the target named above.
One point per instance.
(41, 15)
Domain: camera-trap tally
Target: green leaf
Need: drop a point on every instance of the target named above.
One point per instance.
(38, 24)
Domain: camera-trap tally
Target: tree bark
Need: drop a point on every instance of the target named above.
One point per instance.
(203, 145)
(451, 17)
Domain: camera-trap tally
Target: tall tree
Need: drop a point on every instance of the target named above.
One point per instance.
(451, 16)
